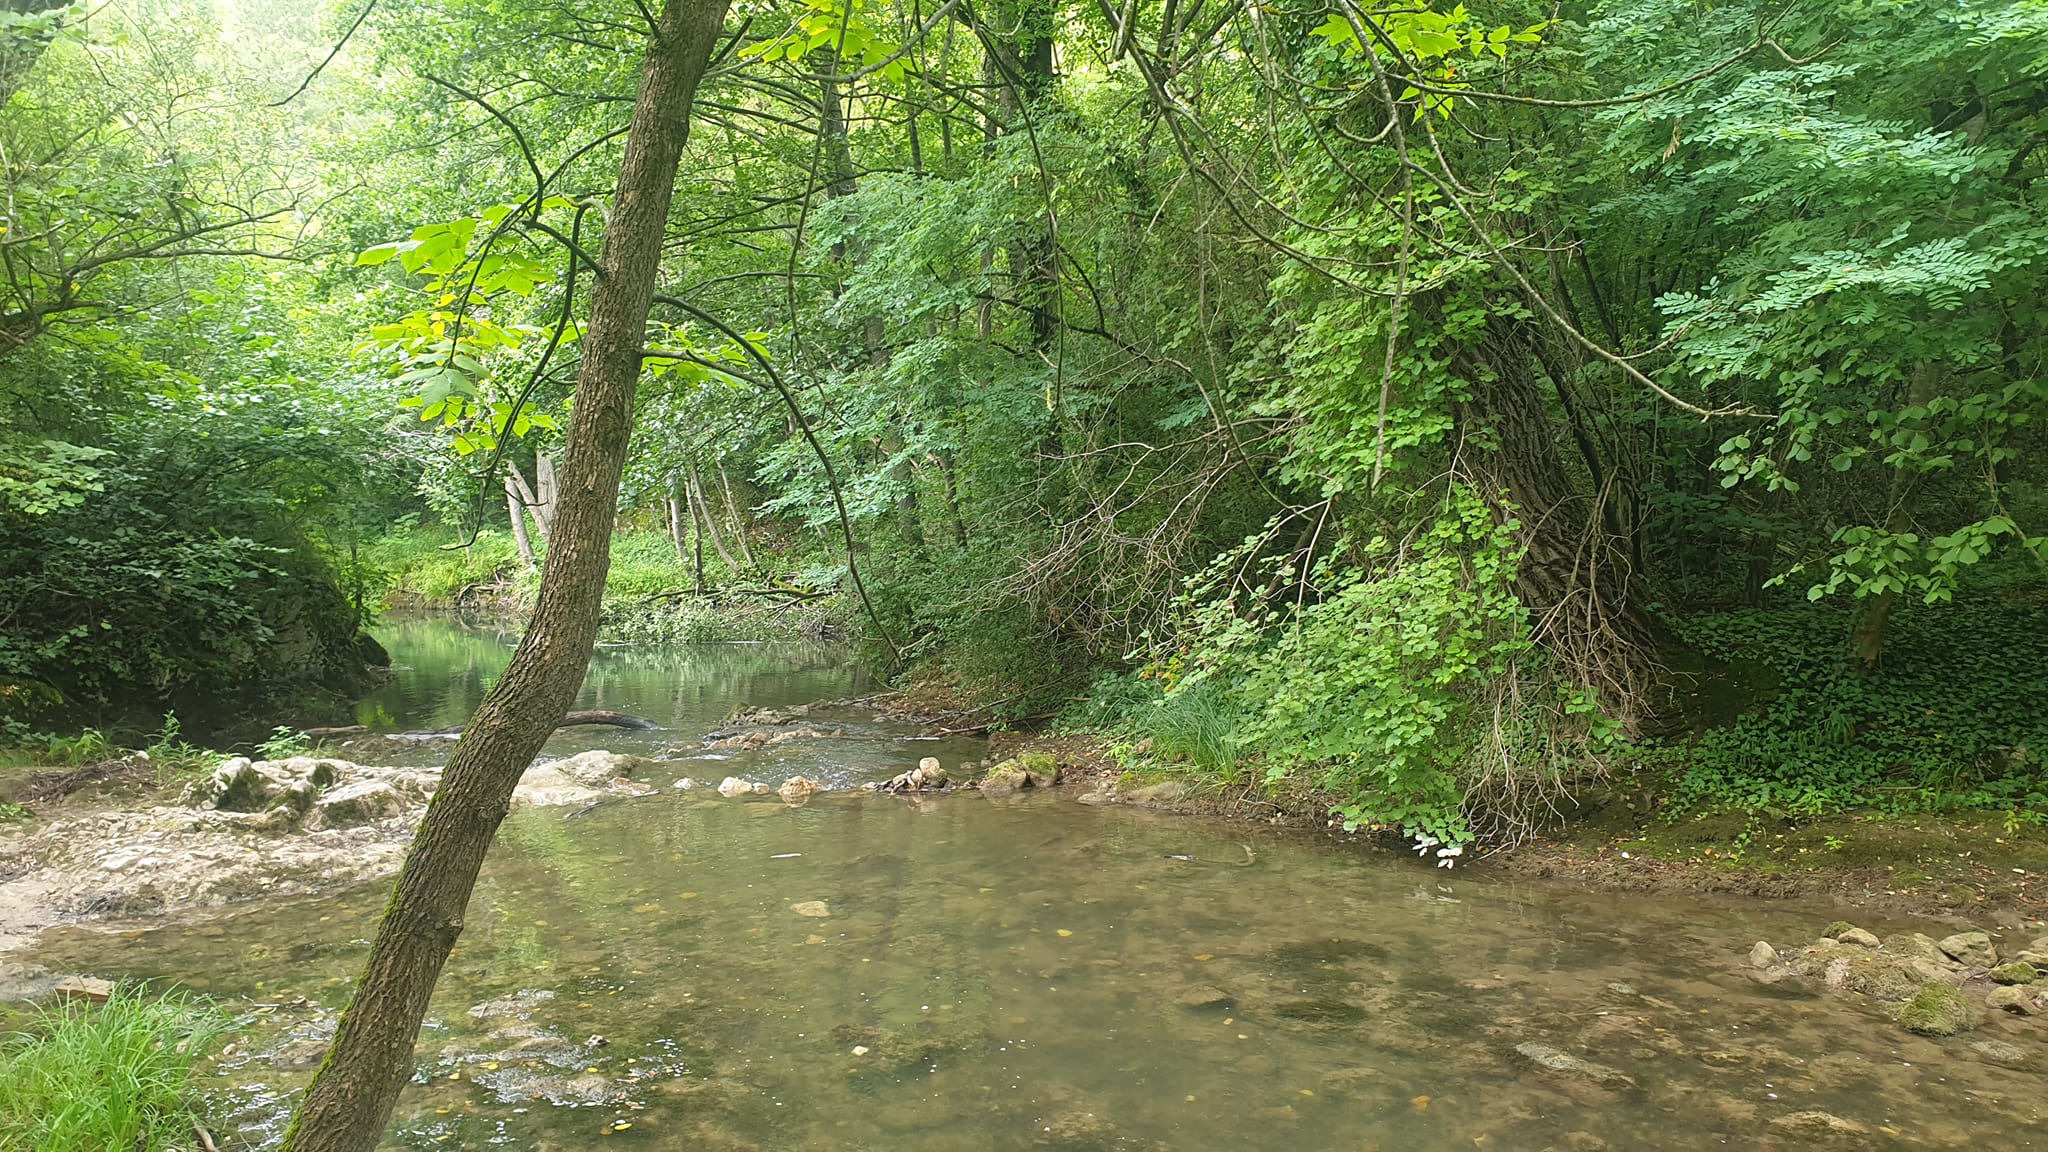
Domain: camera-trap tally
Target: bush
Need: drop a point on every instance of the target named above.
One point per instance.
(85, 1078)
(182, 580)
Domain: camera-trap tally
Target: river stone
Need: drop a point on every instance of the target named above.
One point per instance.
(798, 789)
(2016, 972)
(598, 766)
(810, 908)
(354, 804)
(1040, 768)
(1162, 792)
(1005, 778)
(1762, 955)
(2011, 998)
(1203, 996)
(734, 786)
(2000, 1052)
(1972, 948)
(1937, 1009)
(1920, 946)
(1834, 931)
(1817, 1123)
(1858, 937)
(1557, 1060)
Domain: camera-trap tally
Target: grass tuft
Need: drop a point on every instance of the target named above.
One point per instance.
(91, 1078)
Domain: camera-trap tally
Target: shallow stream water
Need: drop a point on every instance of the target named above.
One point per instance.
(682, 972)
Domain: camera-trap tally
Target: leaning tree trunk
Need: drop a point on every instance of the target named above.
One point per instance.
(1584, 599)
(351, 1098)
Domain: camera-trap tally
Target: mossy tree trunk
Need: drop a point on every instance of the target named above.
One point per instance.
(352, 1097)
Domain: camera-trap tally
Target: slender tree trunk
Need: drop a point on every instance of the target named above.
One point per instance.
(350, 1100)
(515, 510)
(517, 487)
(739, 520)
(675, 526)
(702, 508)
(1875, 622)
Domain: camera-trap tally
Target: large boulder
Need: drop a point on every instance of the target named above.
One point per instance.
(243, 785)
(1937, 1009)
(356, 803)
(1005, 778)
(1972, 948)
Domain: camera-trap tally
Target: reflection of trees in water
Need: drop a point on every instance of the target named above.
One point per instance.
(447, 663)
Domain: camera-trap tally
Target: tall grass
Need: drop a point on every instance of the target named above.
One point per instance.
(116, 1077)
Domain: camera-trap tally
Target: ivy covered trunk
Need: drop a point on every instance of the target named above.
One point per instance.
(351, 1098)
(1584, 598)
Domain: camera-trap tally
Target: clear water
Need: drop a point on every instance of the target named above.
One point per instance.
(1037, 973)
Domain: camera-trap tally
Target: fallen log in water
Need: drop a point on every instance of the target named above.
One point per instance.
(573, 719)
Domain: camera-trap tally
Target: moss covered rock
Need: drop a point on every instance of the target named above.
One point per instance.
(1937, 1009)
(2014, 973)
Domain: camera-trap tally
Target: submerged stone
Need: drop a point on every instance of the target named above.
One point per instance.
(2011, 998)
(1557, 1060)
(1937, 1009)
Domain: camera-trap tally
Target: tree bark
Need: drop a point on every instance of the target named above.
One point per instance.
(515, 510)
(1575, 578)
(675, 526)
(739, 520)
(351, 1098)
(1874, 623)
(706, 525)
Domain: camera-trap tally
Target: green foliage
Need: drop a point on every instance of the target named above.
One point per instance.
(1952, 721)
(119, 1075)
(173, 757)
(434, 566)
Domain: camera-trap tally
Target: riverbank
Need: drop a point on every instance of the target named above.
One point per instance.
(1977, 868)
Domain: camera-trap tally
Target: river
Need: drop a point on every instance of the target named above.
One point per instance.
(684, 972)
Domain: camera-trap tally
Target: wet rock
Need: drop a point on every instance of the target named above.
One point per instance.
(1919, 945)
(1854, 968)
(298, 1055)
(1557, 1060)
(1937, 1009)
(1005, 778)
(598, 767)
(2011, 998)
(1162, 792)
(798, 789)
(84, 990)
(1972, 948)
(927, 776)
(2016, 972)
(1041, 768)
(1762, 955)
(243, 785)
(518, 1005)
(756, 740)
(734, 786)
(1203, 996)
(811, 908)
(1075, 1130)
(2000, 1052)
(684, 785)
(356, 803)
(1859, 938)
(1817, 1123)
